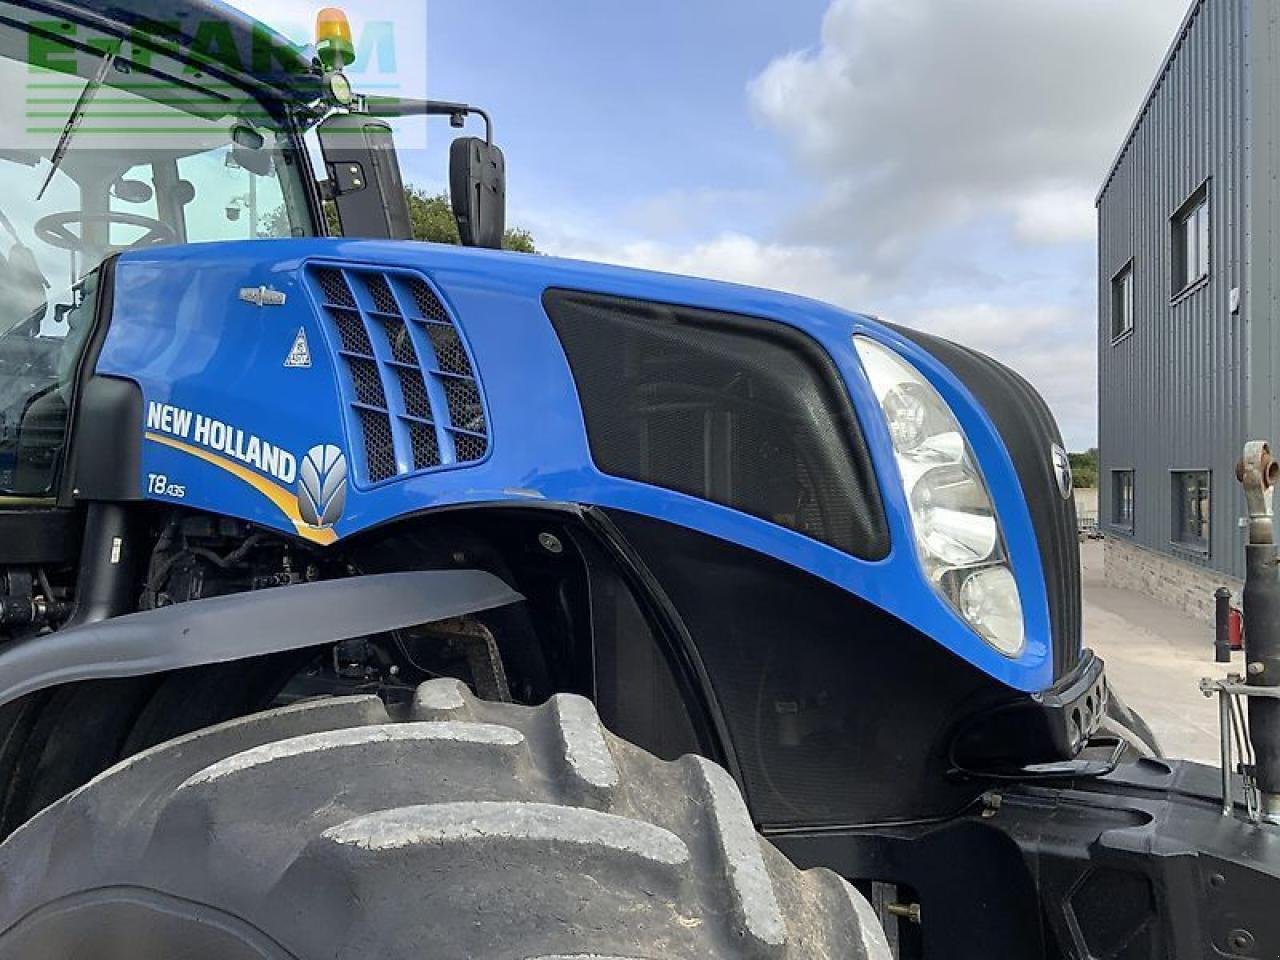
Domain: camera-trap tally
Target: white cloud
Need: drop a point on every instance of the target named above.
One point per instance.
(993, 329)
(958, 148)
(691, 209)
(1052, 346)
(732, 257)
(1055, 214)
(923, 114)
(1049, 343)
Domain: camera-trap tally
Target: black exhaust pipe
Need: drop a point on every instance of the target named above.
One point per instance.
(1259, 474)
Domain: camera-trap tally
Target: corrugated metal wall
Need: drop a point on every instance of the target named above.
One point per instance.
(1173, 393)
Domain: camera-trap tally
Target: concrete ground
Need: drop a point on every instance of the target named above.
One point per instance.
(1155, 658)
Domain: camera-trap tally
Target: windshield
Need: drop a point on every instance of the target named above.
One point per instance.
(108, 145)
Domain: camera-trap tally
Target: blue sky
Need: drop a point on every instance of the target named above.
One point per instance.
(931, 161)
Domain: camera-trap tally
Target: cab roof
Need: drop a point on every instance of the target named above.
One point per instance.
(291, 71)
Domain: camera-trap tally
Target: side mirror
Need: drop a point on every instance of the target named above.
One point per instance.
(249, 150)
(478, 188)
(364, 177)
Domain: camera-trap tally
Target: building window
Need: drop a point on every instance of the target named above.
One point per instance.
(1191, 509)
(1122, 499)
(1191, 241)
(1122, 302)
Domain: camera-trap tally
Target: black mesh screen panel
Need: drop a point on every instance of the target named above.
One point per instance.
(426, 447)
(736, 410)
(379, 448)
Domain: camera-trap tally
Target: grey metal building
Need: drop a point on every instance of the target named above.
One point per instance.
(1189, 279)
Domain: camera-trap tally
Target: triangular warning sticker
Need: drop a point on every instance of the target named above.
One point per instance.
(300, 356)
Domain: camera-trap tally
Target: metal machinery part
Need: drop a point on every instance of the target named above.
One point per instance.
(1256, 739)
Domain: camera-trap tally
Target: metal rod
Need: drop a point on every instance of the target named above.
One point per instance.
(1224, 733)
(1222, 625)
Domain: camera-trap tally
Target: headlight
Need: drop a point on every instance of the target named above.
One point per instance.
(957, 533)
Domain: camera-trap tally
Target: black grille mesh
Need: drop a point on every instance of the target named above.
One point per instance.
(399, 341)
(415, 401)
(334, 286)
(414, 390)
(427, 302)
(368, 383)
(384, 300)
(351, 331)
(736, 410)
(426, 446)
(465, 409)
(450, 357)
(470, 447)
(380, 450)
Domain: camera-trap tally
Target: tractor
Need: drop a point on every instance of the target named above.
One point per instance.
(368, 597)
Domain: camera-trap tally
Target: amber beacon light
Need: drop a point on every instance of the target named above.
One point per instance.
(334, 44)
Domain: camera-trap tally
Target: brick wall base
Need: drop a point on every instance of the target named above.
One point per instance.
(1183, 585)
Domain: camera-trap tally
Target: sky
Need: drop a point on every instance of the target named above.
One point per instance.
(933, 162)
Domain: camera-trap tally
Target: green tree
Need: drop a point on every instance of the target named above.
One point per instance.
(431, 217)
(1084, 468)
(519, 240)
(433, 221)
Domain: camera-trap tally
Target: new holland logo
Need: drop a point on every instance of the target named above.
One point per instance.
(263, 297)
(300, 355)
(322, 486)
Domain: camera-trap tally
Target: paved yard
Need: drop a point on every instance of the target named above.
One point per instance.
(1155, 657)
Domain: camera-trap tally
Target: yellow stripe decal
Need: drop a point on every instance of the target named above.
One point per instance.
(282, 498)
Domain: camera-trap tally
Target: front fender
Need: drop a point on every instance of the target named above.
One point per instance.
(238, 627)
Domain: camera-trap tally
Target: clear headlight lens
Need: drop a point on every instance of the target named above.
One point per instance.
(989, 601)
(957, 533)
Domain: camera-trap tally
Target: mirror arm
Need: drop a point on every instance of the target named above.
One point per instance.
(393, 107)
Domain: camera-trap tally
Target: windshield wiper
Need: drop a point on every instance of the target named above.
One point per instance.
(73, 121)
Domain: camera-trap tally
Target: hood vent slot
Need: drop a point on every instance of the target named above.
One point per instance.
(409, 383)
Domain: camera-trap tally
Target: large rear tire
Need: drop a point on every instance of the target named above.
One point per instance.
(466, 829)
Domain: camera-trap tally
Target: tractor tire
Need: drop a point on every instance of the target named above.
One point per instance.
(464, 829)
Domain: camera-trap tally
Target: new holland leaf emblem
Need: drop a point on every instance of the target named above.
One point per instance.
(322, 486)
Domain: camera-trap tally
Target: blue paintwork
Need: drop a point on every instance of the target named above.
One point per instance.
(180, 331)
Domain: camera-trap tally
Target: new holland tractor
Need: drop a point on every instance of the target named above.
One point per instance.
(365, 597)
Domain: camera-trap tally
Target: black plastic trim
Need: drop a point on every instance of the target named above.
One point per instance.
(689, 668)
(85, 368)
(1045, 728)
(106, 459)
(245, 625)
(37, 536)
(1138, 864)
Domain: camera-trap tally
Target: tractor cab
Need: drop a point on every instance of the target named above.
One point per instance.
(246, 467)
(109, 146)
(117, 141)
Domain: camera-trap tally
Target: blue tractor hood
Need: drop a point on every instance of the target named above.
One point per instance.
(324, 387)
